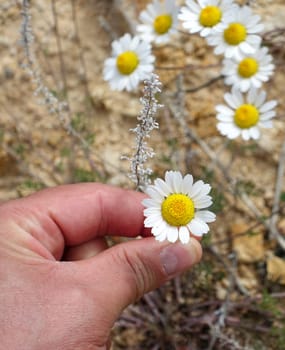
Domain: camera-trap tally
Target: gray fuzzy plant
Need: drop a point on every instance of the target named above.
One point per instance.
(140, 172)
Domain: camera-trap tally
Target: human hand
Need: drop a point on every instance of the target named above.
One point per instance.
(60, 287)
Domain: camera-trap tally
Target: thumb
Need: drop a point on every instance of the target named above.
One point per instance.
(127, 271)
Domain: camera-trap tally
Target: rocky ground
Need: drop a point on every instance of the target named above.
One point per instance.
(71, 41)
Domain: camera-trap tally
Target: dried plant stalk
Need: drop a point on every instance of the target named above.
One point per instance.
(140, 174)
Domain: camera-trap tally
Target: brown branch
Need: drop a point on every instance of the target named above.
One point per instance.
(204, 85)
(188, 67)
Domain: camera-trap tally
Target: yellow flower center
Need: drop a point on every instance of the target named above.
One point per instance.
(162, 24)
(246, 116)
(235, 33)
(247, 67)
(127, 62)
(210, 16)
(177, 209)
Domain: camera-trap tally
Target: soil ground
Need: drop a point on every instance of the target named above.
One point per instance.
(72, 40)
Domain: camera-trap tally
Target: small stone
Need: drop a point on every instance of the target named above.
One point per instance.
(248, 246)
(281, 226)
(276, 269)
(8, 73)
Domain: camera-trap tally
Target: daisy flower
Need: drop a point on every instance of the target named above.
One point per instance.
(249, 71)
(173, 210)
(204, 16)
(131, 62)
(237, 34)
(245, 114)
(159, 21)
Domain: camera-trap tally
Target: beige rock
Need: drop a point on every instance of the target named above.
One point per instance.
(249, 248)
(8, 165)
(222, 288)
(248, 278)
(122, 104)
(281, 226)
(276, 269)
(54, 138)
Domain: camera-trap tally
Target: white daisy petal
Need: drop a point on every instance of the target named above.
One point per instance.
(205, 189)
(177, 182)
(168, 178)
(266, 124)
(154, 194)
(157, 230)
(229, 129)
(224, 110)
(245, 134)
(268, 106)
(267, 115)
(251, 96)
(231, 100)
(152, 210)
(203, 202)
(244, 85)
(186, 183)
(162, 187)
(172, 234)
(151, 220)
(193, 7)
(205, 215)
(233, 132)
(224, 118)
(198, 227)
(184, 235)
(149, 202)
(172, 178)
(260, 98)
(246, 48)
(195, 189)
(161, 237)
(254, 133)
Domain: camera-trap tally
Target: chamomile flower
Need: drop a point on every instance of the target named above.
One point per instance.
(245, 114)
(249, 71)
(173, 210)
(131, 62)
(237, 34)
(159, 21)
(204, 16)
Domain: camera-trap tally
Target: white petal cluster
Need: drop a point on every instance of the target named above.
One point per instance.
(244, 17)
(142, 50)
(174, 183)
(190, 15)
(254, 98)
(246, 66)
(235, 77)
(153, 11)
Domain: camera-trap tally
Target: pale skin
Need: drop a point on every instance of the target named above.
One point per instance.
(61, 287)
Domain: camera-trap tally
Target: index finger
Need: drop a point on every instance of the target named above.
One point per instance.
(81, 212)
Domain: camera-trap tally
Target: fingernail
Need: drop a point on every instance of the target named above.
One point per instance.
(176, 258)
